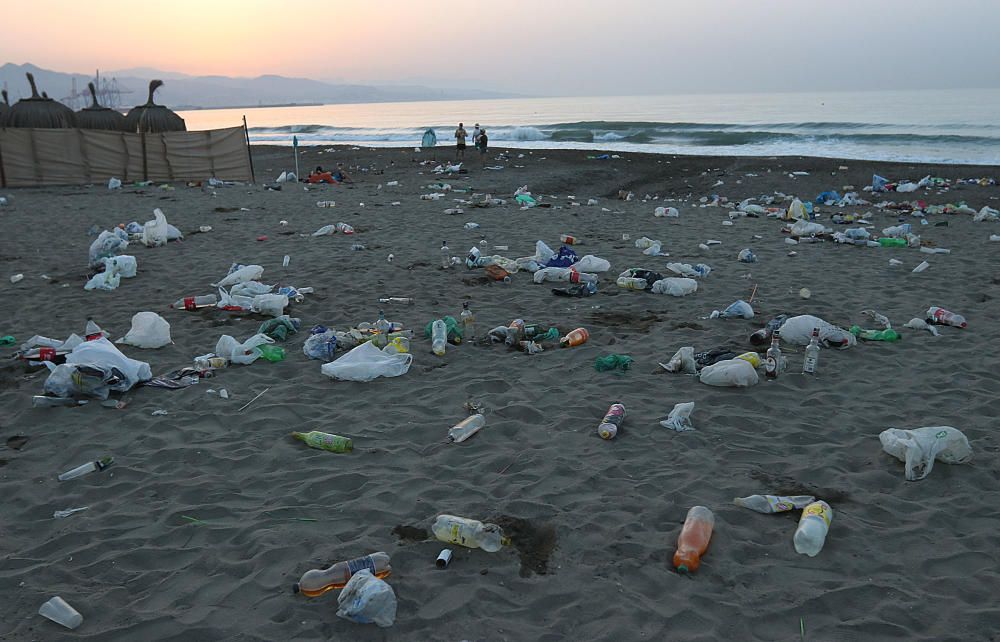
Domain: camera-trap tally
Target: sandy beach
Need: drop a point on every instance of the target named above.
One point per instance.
(210, 513)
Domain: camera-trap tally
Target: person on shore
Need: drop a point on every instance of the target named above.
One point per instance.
(341, 175)
(483, 144)
(475, 135)
(319, 175)
(460, 136)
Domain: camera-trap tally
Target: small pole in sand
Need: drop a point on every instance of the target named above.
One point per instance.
(253, 400)
(753, 294)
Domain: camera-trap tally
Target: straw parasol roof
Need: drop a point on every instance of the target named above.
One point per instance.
(97, 117)
(39, 111)
(153, 118)
(4, 107)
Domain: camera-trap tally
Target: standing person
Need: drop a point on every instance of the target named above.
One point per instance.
(483, 143)
(460, 135)
(475, 136)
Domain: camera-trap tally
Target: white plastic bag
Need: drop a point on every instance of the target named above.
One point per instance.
(104, 353)
(366, 600)
(591, 263)
(670, 212)
(919, 447)
(543, 253)
(154, 233)
(243, 353)
(270, 304)
(105, 245)
(149, 330)
(682, 361)
(326, 230)
(798, 330)
(675, 286)
(123, 265)
(367, 362)
(250, 288)
(735, 373)
(679, 418)
(243, 274)
(174, 234)
(114, 183)
(103, 281)
(805, 228)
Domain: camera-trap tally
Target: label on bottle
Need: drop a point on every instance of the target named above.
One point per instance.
(809, 365)
(189, 303)
(362, 563)
(771, 367)
(455, 536)
(46, 354)
(817, 509)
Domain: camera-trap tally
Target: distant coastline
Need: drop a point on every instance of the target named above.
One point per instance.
(261, 106)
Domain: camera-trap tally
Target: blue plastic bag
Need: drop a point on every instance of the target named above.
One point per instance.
(565, 258)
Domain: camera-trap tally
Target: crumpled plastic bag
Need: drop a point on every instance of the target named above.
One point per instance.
(322, 345)
(103, 281)
(675, 286)
(613, 362)
(798, 330)
(679, 418)
(149, 330)
(367, 362)
(243, 353)
(918, 448)
(279, 327)
(154, 233)
(591, 263)
(270, 304)
(565, 258)
(105, 245)
(366, 600)
(738, 309)
(735, 373)
(94, 368)
(682, 361)
(250, 288)
(806, 228)
(241, 274)
(123, 265)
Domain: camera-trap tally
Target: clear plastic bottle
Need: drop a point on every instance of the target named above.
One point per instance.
(694, 539)
(397, 299)
(468, 323)
(813, 527)
(466, 428)
(382, 330)
(812, 354)
(325, 441)
(515, 332)
(211, 363)
(631, 283)
(318, 581)
(445, 255)
(195, 302)
(774, 503)
(945, 317)
(483, 244)
(89, 467)
(772, 362)
(468, 532)
(582, 277)
(439, 337)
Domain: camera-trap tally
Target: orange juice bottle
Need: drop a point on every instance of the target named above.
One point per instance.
(574, 338)
(318, 581)
(694, 538)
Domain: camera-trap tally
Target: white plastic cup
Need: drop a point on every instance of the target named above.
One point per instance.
(284, 261)
(60, 612)
(444, 558)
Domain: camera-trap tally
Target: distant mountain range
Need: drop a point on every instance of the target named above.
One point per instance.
(181, 91)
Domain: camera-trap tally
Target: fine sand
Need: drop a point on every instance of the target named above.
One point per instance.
(209, 514)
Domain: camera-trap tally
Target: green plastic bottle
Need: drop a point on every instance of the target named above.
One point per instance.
(886, 241)
(271, 352)
(875, 335)
(325, 441)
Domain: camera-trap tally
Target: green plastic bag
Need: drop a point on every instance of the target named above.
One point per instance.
(450, 324)
(613, 362)
(7, 340)
(888, 334)
(279, 328)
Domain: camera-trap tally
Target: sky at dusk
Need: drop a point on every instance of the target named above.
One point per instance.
(540, 47)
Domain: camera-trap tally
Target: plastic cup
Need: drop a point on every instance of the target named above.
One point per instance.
(60, 612)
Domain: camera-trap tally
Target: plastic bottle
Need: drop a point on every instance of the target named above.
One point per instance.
(468, 323)
(631, 283)
(466, 428)
(195, 302)
(813, 527)
(567, 239)
(382, 329)
(612, 421)
(445, 255)
(318, 581)
(583, 277)
(80, 471)
(945, 317)
(397, 299)
(694, 539)
(772, 362)
(211, 363)
(892, 242)
(483, 245)
(469, 532)
(439, 337)
(270, 352)
(574, 338)
(515, 332)
(888, 334)
(812, 354)
(325, 441)
(774, 503)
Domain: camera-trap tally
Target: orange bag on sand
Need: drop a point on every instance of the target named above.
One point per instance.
(496, 272)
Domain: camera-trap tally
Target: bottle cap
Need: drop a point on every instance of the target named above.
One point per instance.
(444, 558)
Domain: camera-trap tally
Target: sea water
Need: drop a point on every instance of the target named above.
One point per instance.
(939, 126)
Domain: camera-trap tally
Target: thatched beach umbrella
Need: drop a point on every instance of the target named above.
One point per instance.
(153, 118)
(97, 117)
(39, 111)
(4, 108)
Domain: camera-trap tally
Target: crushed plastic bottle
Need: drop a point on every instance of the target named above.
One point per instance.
(774, 503)
(469, 532)
(316, 582)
